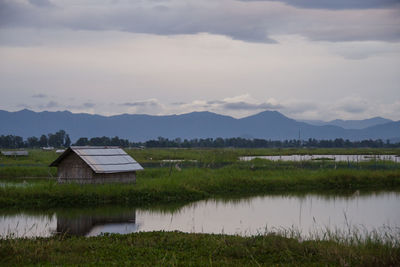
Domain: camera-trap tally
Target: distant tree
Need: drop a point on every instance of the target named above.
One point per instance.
(43, 141)
(59, 138)
(33, 141)
(52, 139)
(67, 141)
(83, 141)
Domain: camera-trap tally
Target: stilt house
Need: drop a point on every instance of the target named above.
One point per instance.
(95, 164)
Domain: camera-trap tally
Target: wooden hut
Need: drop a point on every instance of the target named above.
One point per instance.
(87, 164)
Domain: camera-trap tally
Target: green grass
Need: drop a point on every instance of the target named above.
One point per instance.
(205, 155)
(165, 185)
(35, 157)
(36, 164)
(224, 155)
(158, 186)
(27, 172)
(180, 249)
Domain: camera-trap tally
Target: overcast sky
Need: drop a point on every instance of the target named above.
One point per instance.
(315, 59)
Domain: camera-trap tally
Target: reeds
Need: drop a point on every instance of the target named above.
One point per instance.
(176, 248)
(158, 186)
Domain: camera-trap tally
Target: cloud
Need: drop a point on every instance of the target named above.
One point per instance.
(39, 96)
(145, 103)
(218, 102)
(335, 4)
(241, 105)
(178, 103)
(149, 106)
(88, 105)
(84, 106)
(238, 106)
(41, 3)
(247, 103)
(299, 106)
(250, 21)
(135, 17)
(353, 107)
(363, 50)
(50, 105)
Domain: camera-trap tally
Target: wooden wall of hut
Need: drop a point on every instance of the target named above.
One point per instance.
(74, 169)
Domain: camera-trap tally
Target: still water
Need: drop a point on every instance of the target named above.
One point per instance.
(346, 158)
(306, 213)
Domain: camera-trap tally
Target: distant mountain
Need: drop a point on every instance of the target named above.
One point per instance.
(351, 124)
(266, 125)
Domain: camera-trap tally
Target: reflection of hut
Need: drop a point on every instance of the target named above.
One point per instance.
(96, 165)
(83, 224)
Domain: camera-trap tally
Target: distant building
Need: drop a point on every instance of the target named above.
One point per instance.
(15, 153)
(93, 164)
(48, 148)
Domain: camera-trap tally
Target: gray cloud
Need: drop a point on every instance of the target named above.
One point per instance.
(49, 105)
(353, 108)
(24, 106)
(300, 107)
(336, 4)
(88, 105)
(178, 103)
(39, 96)
(213, 102)
(235, 105)
(146, 103)
(244, 20)
(249, 106)
(76, 107)
(41, 3)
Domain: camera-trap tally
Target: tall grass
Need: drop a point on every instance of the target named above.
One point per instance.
(180, 249)
(161, 186)
(204, 155)
(25, 172)
(224, 155)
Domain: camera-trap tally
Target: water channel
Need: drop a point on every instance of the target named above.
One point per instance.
(308, 214)
(337, 158)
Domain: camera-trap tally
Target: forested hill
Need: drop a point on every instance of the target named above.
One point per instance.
(265, 125)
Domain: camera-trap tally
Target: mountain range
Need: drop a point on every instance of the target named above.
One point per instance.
(351, 124)
(138, 127)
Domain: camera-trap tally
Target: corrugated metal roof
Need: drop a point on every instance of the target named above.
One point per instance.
(104, 159)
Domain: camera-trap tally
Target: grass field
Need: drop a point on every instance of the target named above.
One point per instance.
(159, 185)
(36, 164)
(180, 249)
(205, 155)
(217, 173)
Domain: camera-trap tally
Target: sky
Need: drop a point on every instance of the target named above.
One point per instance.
(314, 60)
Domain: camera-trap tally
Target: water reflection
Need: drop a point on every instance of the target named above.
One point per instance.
(256, 215)
(25, 224)
(343, 158)
(90, 222)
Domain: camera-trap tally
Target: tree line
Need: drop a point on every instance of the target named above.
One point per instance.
(58, 139)
(61, 139)
(262, 143)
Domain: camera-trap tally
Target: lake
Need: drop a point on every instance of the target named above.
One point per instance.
(345, 158)
(308, 214)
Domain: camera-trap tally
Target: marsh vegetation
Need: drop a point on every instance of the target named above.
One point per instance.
(174, 179)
